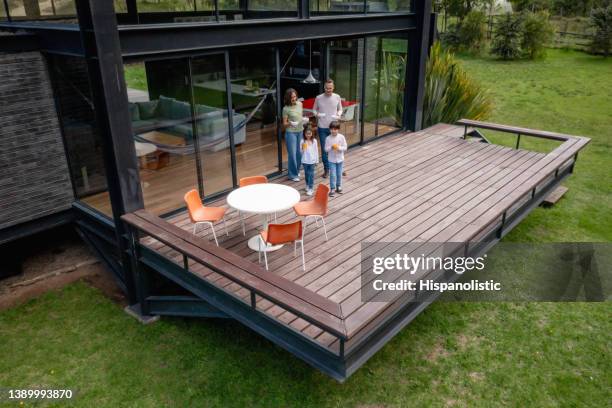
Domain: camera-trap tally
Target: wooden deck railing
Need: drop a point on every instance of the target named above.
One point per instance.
(294, 298)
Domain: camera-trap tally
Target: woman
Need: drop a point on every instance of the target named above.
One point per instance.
(292, 121)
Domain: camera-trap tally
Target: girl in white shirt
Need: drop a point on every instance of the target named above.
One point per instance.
(310, 158)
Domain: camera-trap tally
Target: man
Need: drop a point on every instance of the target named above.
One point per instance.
(328, 107)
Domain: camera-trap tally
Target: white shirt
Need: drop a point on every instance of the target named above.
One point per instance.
(335, 156)
(330, 106)
(311, 154)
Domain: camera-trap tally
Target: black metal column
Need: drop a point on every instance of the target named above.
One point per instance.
(418, 48)
(132, 11)
(100, 40)
(304, 8)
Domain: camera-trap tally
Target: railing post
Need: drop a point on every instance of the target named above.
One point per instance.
(185, 263)
(253, 300)
(501, 227)
(142, 287)
(518, 140)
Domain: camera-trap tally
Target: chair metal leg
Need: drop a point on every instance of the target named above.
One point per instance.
(303, 258)
(194, 228)
(324, 228)
(213, 231)
(225, 225)
(294, 248)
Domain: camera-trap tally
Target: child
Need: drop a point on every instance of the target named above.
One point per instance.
(310, 158)
(335, 146)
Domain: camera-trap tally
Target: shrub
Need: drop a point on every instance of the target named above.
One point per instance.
(537, 32)
(451, 38)
(601, 21)
(473, 31)
(507, 37)
(450, 94)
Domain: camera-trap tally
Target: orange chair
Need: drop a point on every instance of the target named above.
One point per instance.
(248, 181)
(199, 214)
(315, 208)
(278, 234)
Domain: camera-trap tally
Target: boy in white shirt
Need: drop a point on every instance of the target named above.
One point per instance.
(335, 146)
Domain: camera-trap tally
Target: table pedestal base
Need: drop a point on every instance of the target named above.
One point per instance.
(256, 245)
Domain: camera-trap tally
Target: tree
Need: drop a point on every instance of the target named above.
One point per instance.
(507, 37)
(601, 20)
(537, 31)
(473, 31)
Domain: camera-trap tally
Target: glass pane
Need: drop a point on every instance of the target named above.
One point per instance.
(175, 11)
(253, 81)
(160, 109)
(385, 83)
(82, 140)
(388, 6)
(332, 7)
(41, 9)
(210, 96)
(345, 68)
(257, 9)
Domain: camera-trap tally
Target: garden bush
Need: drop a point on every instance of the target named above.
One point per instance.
(537, 32)
(507, 37)
(450, 94)
(601, 21)
(472, 32)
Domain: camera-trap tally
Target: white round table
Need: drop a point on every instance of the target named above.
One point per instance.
(264, 199)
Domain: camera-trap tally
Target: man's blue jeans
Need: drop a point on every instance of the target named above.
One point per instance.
(309, 174)
(335, 175)
(323, 133)
(294, 155)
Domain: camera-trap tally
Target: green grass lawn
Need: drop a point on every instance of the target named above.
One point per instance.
(472, 354)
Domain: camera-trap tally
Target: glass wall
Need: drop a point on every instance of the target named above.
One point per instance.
(346, 69)
(253, 86)
(81, 138)
(335, 7)
(210, 97)
(386, 59)
(184, 11)
(160, 106)
(41, 9)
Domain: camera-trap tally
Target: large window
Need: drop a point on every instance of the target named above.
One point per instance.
(386, 59)
(188, 11)
(210, 96)
(81, 138)
(41, 9)
(161, 113)
(253, 86)
(346, 69)
(336, 7)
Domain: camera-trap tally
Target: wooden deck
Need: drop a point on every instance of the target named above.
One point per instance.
(428, 186)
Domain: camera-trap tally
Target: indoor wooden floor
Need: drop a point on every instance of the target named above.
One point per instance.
(426, 186)
(163, 189)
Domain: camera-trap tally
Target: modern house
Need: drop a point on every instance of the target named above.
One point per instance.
(112, 111)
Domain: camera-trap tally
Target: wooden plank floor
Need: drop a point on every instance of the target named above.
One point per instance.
(418, 187)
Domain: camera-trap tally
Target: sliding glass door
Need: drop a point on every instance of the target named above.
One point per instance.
(386, 59)
(208, 82)
(345, 67)
(254, 101)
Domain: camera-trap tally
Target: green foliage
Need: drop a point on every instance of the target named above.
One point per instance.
(531, 5)
(507, 37)
(601, 21)
(536, 34)
(450, 94)
(473, 31)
